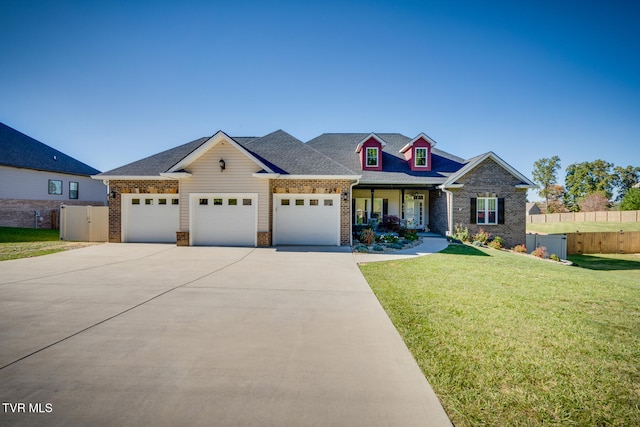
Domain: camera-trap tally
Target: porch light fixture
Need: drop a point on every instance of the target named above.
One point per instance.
(113, 194)
(222, 165)
(345, 196)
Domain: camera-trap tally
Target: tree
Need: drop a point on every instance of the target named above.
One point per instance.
(631, 200)
(556, 199)
(625, 178)
(544, 173)
(594, 202)
(585, 178)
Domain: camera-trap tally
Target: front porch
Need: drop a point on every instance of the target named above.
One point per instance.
(409, 207)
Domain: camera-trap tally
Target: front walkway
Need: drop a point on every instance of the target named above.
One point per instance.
(431, 243)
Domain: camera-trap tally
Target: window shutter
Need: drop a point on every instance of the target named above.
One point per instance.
(501, 210)
(473, 217)
(385, 207)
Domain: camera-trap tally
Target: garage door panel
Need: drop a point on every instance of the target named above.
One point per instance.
(306, 219)
(150, 218)
(224, 219)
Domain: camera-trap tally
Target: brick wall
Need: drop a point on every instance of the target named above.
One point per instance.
(489, 177)
(312, 186)
(438, 218)
(21, 213)
(142, 187)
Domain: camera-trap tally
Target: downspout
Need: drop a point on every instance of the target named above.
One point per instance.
(449, 210)
(357, 181)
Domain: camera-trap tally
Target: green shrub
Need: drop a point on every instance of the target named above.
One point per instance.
(461, 233)
(481, 236)
(387, 238)
(554, 257)
(367, 236)
(539, 252)
(396, 246)
(361, 248)
(495, 244)
(378, 248)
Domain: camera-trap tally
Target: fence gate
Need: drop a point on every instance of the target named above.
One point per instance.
(84, 223)
(555, 243)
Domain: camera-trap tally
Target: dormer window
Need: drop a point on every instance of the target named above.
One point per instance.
(421, 157)
(372, 156)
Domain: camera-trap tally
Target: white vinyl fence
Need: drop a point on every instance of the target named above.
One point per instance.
(555, 243)
(84, 223)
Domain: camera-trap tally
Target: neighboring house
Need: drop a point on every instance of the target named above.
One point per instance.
(533, 209)
(277, 190)
(36, 179)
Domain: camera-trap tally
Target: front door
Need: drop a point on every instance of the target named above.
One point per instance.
(414, 211)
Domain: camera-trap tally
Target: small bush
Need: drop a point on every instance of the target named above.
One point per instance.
(396, 246)
(521, 249)
(391, 223)
(367, 236)
(361, 248)
(495, 244)
(554, 257)
(411, 235)
(540, 252)
(461, 233)
(481, 236)
(378, 248)
(387, 238)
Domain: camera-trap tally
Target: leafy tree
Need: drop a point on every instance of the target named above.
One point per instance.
(625, 178)
(544, 173)
(585, 178)
(594, 202)
(555, 196)
(631, 200)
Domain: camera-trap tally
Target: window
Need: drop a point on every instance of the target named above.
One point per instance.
(364, 213)
(328, 202)
(162, 201)
(421, 157)
(135, 201)
(73, 190)
(217, 202)
(299, 202)
(284, 202)
(148, 201)
(204, 202)
(55, 186)
(175, 201)
(246, 202)
(372, 156)
(233, 202)
(313, 202)
(487, 210)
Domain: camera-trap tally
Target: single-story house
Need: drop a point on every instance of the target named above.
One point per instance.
(36, 179)
(533, 209)
(278, 190)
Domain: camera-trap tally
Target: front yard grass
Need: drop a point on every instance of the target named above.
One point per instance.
(505, 339)
(28, 242)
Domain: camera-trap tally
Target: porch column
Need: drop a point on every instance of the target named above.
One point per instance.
(371, 206)
(402, 204)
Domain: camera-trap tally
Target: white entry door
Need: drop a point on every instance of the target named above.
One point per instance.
(223, 219)
(150, 218)
(306, 219)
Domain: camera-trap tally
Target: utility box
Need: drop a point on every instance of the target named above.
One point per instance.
(84, 223)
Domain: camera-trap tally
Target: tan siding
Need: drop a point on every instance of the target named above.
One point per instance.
(236, 178)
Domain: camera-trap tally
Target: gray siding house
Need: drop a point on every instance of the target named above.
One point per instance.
(36, 179)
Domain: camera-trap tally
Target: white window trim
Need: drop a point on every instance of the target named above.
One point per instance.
(366, 157)
(426, 157)
(486, 210)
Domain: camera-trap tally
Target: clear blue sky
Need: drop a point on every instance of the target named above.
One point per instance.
(110, 82)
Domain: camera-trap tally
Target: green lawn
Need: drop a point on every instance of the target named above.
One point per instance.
(505, 339)
(28, 242)
(583, 227)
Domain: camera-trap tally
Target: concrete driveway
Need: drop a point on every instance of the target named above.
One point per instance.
(134, 334)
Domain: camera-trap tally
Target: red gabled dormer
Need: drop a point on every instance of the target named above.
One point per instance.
(418, 152)
(370, 152)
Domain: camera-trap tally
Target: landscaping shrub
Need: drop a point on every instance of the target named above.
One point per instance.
(461, 233)
(387, 238)
(361, 248)
(391, 223)
(409, 234)
(521, 249)
(481, 236)
(495, 244)
(378, 248)
(367, 236)
(396, 246)
(540, 252)
(554, 257)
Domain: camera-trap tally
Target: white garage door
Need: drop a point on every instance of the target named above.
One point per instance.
(224, 219)
(306, 219)
(150, 218)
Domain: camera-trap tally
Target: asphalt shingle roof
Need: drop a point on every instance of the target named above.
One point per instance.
(21, 151)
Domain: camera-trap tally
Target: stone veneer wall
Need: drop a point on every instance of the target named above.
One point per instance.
(307, 186)
(21, 213)
(142, 187)
(489, 177)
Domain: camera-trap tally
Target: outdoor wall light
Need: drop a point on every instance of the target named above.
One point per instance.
(222, 165)
(113, 194)
(345, 196)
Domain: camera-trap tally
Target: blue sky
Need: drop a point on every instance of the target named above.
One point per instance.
(112, 82)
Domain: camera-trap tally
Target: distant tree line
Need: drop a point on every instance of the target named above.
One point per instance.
(588, 186)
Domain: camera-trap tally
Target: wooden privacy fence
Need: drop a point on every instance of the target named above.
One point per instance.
(601, 216)
(627, 242)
